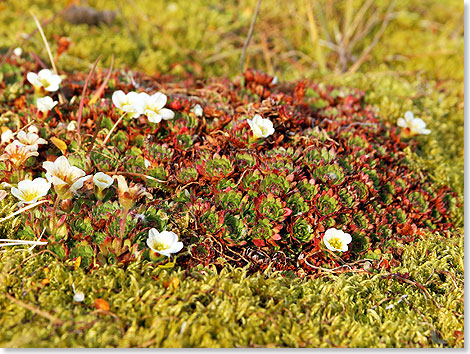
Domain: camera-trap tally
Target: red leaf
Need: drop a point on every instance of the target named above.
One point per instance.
(259, 242)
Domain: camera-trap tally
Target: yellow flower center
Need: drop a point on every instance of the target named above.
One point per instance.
(160, 246)
(29, 195)
(336, 243)
(44, 82)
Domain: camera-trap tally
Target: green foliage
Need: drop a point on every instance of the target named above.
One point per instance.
(187, 175)
(275, 184)
(302, 230)
(418, 66)
(9, 227)
(297, 204)
(234, 230)
(326, 204)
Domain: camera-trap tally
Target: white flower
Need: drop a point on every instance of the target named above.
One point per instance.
(147, 163)
(102, 180)
(78, 296)
(261, 128)
(18, 51)
(17, 153)
(28, 192)
(72, 126)
(131, 103)
(45, 78)
(274, 81)
(7, 136)
(66, 179)
(197, 110)
(129, 194)
(33, 129)
(30, 140)
(415, 125)
(336, 240)
(153, 107)
(164, 243)
(45, 104)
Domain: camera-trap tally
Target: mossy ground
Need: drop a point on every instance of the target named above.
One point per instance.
(417, 65)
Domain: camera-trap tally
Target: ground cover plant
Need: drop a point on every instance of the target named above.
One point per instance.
(201, 190)
(227, 185)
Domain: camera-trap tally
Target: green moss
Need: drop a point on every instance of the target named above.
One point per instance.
(231, 308)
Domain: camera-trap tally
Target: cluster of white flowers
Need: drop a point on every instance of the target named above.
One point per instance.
(68, 179)
(30, 140)
(137, 104)
(44, 80)
(23, 147)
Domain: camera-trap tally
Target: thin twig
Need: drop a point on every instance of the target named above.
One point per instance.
(415, 283)
(48, 49)
(32, 256)
(126, 22)
(248, 38)
(22, 243)
(102, 87)
(35, 309)
(112, 129)
(40, 236)
(24, 209)
(135, 174)
(374, 42)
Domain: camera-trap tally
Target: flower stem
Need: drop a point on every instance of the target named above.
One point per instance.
(123, 223)
(98, 124)
(112, 129)
(54, 211)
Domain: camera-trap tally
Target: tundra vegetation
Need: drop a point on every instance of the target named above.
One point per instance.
(154, 195)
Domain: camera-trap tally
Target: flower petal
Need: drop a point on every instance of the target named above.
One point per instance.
(153, 117)
(159, 100)
(33, 79)
(122, 184)
(425, 131)
(16, 192)
(167, 113)
(79, 183)
(409, 115)
(401, 123)
(44, 74)
(62, 164)
(56, 181)
(52, 87)
(118, 98)
(177, 246)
